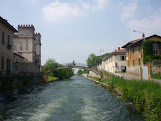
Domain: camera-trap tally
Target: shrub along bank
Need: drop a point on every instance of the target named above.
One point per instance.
(145, 96)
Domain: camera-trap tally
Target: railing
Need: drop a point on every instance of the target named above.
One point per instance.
(74, 64)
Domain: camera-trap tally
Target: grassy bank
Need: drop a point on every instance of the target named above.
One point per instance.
(51, 78)
(146, 96)
(156, 75)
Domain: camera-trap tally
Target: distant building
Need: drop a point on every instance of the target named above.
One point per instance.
(115, 62)
(27, 43)
(134, 52)
(6, 46)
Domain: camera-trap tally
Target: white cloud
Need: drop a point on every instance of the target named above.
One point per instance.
(148, 24)
(129, 11)
(61, 11)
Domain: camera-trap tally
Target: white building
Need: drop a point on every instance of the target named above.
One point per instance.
(115, 62)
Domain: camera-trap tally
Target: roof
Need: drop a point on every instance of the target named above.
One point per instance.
(19, 55)
(119, 52)
(5, 23)
(138, 40)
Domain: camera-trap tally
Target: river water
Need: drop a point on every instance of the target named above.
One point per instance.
(76, 99)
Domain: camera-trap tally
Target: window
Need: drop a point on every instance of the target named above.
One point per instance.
(139, 62)
(122, 57)
(9, 39)
(27, 40)
(27, 46)
(2, 37)
(21, 47)
(155, 48)
(15, 47)
(133, 62)
(2, 62)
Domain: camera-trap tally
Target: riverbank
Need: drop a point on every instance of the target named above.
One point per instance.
(9, 83)
(51, 78)
(145, 96)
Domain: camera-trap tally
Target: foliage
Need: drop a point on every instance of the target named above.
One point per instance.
(92, 60)
(50, 63)
(51, 78)
(147, 52)
(156, 75)
(85, 71)
(79, 72)
(146, 96)
(100, 57)
(63, 73)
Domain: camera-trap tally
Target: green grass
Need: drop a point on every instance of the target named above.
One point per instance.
(156, 75)
(146, 96)
(51, 78)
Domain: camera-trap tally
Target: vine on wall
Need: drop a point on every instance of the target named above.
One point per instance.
(148, 53)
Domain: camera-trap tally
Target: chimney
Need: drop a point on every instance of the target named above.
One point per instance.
(118, 48)
(115, 50)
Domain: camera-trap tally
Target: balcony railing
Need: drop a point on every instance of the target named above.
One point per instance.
(8, 46)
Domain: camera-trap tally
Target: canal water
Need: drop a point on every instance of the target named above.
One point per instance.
(75, 99)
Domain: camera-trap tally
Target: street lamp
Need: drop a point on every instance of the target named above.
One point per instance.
(101, 50)
(140, 32)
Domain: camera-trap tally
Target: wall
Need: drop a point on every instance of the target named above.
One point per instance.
(110, 63)
(18, 58)
(27, 67)
(16, 82)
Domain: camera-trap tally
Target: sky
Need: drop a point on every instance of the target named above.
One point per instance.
(73, 29)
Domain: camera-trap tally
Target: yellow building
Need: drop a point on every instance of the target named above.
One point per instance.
(134, 52)
(6, 46)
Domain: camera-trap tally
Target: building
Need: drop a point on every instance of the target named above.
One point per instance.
(6, 46)
(18, 58)
(135, 57)
(27, 43)
(115, 62)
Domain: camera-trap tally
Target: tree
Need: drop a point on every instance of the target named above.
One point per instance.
(85, 71)
(92, 60)
(50, 63)
(61, 74)
(79, 72)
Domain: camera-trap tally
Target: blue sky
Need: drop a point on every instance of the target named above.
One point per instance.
(73, 29)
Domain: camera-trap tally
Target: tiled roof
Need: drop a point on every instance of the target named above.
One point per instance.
(138, 40)
(117, 52)
(9, 26)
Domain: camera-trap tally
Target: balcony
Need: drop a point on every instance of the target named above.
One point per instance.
(8, 46)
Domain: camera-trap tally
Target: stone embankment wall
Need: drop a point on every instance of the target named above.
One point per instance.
(9, 83)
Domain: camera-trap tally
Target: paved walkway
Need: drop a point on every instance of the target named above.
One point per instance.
(135, 77)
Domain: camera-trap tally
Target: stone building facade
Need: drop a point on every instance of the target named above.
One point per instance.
(6, 46)
(134, 52)
(27, 43)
